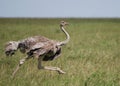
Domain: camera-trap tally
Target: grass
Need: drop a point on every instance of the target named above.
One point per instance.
(91, 58)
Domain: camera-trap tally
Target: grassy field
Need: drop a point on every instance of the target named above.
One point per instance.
(91, 58)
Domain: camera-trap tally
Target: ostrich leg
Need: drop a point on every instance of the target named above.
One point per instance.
(49, 68)
(21, 62)
(55, 69)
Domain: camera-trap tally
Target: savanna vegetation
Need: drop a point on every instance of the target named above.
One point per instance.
(91, 58)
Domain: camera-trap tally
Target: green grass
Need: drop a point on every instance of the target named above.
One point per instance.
(91, 58)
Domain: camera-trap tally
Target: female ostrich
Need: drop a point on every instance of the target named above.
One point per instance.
(43, 49)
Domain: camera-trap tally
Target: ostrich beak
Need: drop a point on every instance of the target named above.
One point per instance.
(66, 23)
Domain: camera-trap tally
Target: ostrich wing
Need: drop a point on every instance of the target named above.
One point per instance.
(37, 50)
(46, 49)
(37, 46)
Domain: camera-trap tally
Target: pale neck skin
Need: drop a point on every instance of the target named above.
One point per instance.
(67, 37)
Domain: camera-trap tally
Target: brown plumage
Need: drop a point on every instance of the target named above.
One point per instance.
(38, 45)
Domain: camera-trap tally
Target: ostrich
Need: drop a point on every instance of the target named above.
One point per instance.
(43, 49)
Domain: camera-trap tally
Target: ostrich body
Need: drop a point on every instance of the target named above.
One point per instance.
(43, 49)
(38, 46)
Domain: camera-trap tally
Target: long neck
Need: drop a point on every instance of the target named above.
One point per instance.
(67, 37)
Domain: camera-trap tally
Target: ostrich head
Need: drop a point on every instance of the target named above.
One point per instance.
(11, 47)
(63, 23)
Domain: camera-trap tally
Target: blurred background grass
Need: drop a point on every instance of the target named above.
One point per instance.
(91, 58)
